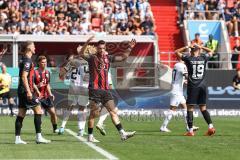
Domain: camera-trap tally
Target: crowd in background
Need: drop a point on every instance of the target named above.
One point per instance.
(229, 10)
(76, 17)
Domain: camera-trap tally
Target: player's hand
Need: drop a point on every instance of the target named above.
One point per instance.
(52, 96)
(38, 94)
(132, 43)
(29, 96)
(90, 38)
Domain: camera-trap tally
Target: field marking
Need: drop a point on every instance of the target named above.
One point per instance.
(93, 146)
(224, 99)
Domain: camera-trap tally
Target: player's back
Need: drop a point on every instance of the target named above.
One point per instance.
(178, 78)
(196, 66)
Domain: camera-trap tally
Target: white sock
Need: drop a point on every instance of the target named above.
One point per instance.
(184, 111)
(210, 125)
(18, 137)
(122, 131)
(39, 135)
(102, 118)
(66, 115)
(167, 119)
(190, 130)
(82, 116)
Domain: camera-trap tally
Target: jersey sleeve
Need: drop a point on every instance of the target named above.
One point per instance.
(185, 57)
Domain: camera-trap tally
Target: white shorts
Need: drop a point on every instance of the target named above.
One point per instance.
(81, 98)
(175, 100)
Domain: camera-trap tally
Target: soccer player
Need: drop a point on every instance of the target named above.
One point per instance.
(43, 90)
(5, 84)
(26, 97)
(236, 80)
(179, 77)
(196, 88)
(77, 95)
(99, 64)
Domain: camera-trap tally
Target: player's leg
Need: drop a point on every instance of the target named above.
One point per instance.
(203, 109)
(103, 115)
(82, 116)
(53, 116)
(168, 116)
(11, 104)
(38, 123)
(18, 125)
(94, 112)
(115, 119)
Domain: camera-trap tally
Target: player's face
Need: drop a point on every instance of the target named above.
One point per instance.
(101, 49)
(32, 48)
(43, 64)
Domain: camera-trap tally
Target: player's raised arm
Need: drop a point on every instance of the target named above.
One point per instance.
(81, 49)
(179, 52)
(125, 55)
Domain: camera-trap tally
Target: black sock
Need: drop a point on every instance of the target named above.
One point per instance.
(18, 125)
(11, 108)
(119, 127)
(37, 122)
(190, 119)
(206, 116)
(90, 130)
(54, 126)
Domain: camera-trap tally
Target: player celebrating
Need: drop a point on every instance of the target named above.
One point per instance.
(26, 96)
(43, 90)
(196, 88)
(179, 77)
(99, 64)
(5, 83)
(77, 96)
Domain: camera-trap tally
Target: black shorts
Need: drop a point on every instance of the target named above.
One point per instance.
(6, 95)
(46, 103)
(24, 102)
(100, 96)
(196, 95)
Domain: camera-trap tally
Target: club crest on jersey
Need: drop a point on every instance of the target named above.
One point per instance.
(27, 65)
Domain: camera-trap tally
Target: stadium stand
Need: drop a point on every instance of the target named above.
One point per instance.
(76, 17)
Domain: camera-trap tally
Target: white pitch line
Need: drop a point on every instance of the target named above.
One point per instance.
(93, 146)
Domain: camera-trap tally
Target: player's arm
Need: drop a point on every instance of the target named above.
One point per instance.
(26, 84)
(50, 91)
(81, 49)
(125, 55)
(179, 52)
(235, 85)
(36, 90)
(208, 50)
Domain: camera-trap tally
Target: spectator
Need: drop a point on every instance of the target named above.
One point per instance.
(197, 40)
(235, 54)
(148, 32)
(122, 27)
(228, 21)
(211, 6)
(38, 31)
(236, 21)
(120, 14)
(85, 26)
(148, 22)
(200, 6)
(213, 44)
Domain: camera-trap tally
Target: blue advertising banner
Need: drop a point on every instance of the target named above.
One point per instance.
(204, 28)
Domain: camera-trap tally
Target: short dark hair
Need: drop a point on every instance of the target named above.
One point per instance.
(101, 42)
(26, 45)
(40, 58)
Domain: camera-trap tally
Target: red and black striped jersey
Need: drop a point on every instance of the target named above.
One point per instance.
(98, 70)
(44, 77)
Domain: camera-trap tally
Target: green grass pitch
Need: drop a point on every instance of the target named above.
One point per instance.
(148, 143)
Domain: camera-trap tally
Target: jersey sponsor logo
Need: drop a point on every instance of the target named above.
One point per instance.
(221, 91)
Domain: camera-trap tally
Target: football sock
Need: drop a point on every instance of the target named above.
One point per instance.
(185, 115)
(168, 117)
(207, 117)
(54, 126)
(190, 120)
(119, 128)
(82, 115)
(37, 122)
(90, 131)
(66, 114)
(18, 125)
(102, 118)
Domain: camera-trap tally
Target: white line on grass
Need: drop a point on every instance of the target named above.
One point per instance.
(93, 146)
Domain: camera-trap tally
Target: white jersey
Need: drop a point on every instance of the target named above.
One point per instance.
(178, 78)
